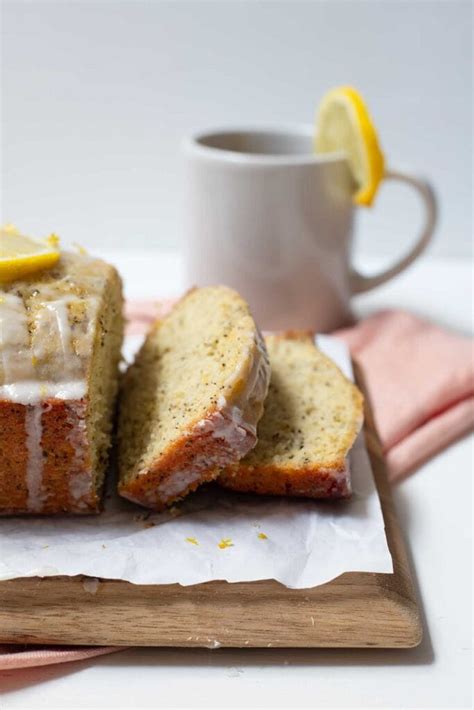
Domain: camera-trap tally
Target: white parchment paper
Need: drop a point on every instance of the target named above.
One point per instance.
(212, 535)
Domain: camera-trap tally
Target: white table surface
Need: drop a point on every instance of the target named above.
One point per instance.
(435, 511)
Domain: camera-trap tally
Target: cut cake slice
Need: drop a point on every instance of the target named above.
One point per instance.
(312, 416)
(192, 398)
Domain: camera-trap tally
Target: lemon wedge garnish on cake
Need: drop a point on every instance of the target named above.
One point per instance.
(21, 256)
(343, 124)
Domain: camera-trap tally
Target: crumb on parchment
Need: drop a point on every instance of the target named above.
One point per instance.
(225, 542)
(140, 517)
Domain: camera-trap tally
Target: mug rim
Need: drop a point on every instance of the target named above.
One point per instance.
(193, 144)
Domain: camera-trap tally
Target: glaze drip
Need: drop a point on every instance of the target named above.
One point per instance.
(16, 360)
(34, 466)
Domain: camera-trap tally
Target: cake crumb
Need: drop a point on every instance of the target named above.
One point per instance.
(191, 540)
(225, 542)
(262, 536)
(90, 585)
(78, 247)
(140, 517)
(234, 672)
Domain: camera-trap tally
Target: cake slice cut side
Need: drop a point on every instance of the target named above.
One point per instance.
(192, 399)
(312, 417)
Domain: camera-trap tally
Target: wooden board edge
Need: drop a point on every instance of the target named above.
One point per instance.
(354, 611)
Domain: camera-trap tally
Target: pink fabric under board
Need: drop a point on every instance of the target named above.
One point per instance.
(27, 657)
(139, 315)
(420, 380)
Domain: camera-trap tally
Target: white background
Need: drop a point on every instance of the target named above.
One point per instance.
(97, 95)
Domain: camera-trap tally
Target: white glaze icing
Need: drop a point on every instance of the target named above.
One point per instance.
(343, 476)
(51, 326)
(34, 391)
(60, 311)
(80, 487)
(179, 482)
(43, 348)
(80, 481)
(34, 467)
(227, 424)
(236, 421)
(15, 354)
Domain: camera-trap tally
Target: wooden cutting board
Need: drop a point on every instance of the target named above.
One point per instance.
(357, 609)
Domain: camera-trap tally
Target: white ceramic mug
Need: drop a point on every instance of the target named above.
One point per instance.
(268, 217)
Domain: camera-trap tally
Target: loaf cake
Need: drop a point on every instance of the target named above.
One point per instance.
(60, 342)
(192, 399)
(312, 416)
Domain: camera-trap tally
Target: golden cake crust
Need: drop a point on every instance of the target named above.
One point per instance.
(309, 482)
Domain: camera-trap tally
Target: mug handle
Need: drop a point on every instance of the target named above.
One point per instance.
(361, 283)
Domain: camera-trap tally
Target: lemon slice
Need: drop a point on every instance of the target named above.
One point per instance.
(343, 123)
(21, 256)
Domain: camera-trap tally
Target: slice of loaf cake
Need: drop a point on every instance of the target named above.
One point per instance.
(312, 416)
(60, 343)
(192, 398)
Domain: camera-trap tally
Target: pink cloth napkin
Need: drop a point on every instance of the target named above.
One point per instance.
(420, 380)
(26, 657)
(139, 315)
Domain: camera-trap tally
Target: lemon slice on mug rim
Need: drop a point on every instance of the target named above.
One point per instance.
(343, 124)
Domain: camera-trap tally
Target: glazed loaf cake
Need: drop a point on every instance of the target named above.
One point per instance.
(60, 343)
(192, 398)
(312, 416)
